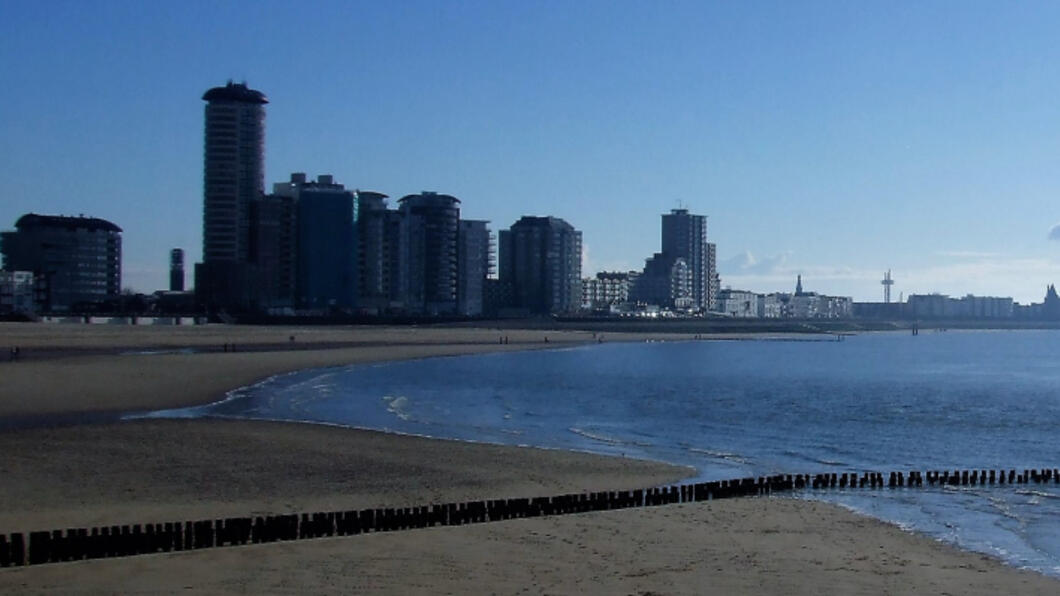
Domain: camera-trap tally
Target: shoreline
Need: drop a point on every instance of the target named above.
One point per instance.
(171, 469)
(97, 358)
(175, 380)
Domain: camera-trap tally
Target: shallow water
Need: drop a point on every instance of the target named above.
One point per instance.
(955, 400)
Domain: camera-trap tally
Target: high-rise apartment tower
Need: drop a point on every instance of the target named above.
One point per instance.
(541, 257)
(233, 169)
(685, 236)
(176, 270)
(233, 179)
(429, 252)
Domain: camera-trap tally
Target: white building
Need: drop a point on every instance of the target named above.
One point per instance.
(738, 303)
(771, 306)
(608, 288)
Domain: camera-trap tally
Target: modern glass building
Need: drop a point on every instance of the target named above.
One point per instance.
(327, 246)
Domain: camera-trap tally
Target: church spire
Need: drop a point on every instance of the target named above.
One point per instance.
(798, 286)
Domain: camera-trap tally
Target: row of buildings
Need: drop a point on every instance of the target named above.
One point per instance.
(799, 304)
(321, 250)
(681, 279)
(54, 264)
(616, 293)
(316, 247)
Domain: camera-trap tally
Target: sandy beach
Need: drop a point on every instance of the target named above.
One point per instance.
(168, 470)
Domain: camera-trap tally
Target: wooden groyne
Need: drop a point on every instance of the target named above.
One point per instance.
(76, 544)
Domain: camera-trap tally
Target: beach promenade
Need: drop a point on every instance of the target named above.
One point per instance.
(166, 470)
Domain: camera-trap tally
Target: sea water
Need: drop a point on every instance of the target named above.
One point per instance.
(882, 402)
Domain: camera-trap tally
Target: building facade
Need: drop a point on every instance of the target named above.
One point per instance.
(176, 270)
(233, 179)
(541, 258)
(713, 279)
(76, 260)
(771, 306)
(607, 289)
(274, 249)
(429, 253)
(17, 292)
(941, 306)
(475, 264)
(373, 252)
(667, 282)
(684, 235)
(739, 304)
(326, 270)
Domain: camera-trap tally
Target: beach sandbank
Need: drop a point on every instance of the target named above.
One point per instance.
(130, 381)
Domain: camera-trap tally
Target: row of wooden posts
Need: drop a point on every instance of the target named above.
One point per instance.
(75, 544)
(918, 479)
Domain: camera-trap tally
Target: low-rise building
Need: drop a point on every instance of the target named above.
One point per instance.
(941, 306)
(608, 288)
(738, 303)
(771, 306)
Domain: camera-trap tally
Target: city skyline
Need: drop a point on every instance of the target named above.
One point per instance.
(829, 140)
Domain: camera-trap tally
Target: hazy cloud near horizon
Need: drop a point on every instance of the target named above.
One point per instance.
(1054, 232)
(747, 263)
(968, 254)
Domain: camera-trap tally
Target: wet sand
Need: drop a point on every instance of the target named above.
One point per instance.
(156, 471)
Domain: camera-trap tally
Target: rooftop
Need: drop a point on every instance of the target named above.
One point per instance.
(235, 92)
(33, 220)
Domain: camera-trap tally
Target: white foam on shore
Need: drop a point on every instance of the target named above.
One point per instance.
(724, 455)
(397, 406)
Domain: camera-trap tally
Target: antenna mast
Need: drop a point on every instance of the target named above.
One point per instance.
(887, 282)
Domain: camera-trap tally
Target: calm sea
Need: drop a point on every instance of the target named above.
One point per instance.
(951, 400)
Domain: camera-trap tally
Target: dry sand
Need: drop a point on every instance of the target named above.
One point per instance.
(748, 546)
(156, 471)
(174, 470)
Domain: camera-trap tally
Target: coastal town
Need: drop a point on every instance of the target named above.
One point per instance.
(529, 298)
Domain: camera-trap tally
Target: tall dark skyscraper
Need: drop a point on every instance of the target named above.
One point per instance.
(474, 264)
(233, 179)
(375, 251)
(176, 270)
(429, 252)
(685, 236)
(541, 257)
(233, 169)
(327, 245)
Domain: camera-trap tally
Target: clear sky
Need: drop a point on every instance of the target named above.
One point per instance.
(831, 139)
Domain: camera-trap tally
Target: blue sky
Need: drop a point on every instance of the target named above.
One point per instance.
(835, 140)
